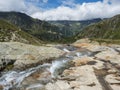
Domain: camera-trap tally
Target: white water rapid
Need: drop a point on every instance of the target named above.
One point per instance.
(14, 78)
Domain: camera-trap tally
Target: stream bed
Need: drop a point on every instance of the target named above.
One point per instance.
(42, 74)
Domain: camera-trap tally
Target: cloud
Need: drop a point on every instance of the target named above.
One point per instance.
(70, 3)
(18, 5)
(68, 10)
(105, 9)
(12, 5)
(37, 1)
(45, 1)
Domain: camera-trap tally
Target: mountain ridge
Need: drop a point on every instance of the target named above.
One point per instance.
(106, 29)
(75, 26)
(47, 31)
(40, 29)
(9, 32)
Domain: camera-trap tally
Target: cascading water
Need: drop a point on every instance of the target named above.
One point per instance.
(57, 66)
(15, 78)
(66, 50)
(82, 54)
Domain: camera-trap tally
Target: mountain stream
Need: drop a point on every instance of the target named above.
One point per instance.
(14, 79)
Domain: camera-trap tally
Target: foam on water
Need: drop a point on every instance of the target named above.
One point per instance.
(14, 78)
(34, 86)
(56, 65)
(82, 54)
(66, 50)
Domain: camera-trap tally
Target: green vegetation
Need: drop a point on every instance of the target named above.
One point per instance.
(107, 30)
(35, 31)
(71, 28)
(9, 32)
(39, 29)
(107, 41)
(51, 31)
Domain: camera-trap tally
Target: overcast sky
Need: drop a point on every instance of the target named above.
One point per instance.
(63, 9)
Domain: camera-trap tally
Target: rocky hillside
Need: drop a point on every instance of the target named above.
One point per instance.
(9, 32)
(74, 26)
(40, 29)
(57, 31)
(106, 29)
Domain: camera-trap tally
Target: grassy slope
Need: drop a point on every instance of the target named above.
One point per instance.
(7, 30)
(39, 29)
(107, 29)
(73, 26)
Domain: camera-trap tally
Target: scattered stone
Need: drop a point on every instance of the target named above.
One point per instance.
(107, 55)
(1, 87)
(35, 87)
(99, 64)
(112, 71)
(92, 84)
(91, 62)
(113, 81)
(85, 40)
(59, 85)
(82, 45)
(83, 79)
(82, 61)
(68, 78)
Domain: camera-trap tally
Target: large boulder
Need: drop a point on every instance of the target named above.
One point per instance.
(114, 81)
(109, 55)
(84, 78)
(82, 61)
(26, 55)
(59, 85)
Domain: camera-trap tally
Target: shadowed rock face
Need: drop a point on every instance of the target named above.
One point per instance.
(6, 62)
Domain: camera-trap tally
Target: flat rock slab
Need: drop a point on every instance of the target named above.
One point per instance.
(26, 55)
(85, 80)
(110, 55)
(114, 81)
(59, 85)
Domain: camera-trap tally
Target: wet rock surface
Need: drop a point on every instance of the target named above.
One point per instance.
(90, 66)
(25, 56)
(97, 71)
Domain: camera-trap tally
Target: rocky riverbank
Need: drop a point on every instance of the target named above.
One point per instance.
(98, 71)
(84, 66)
(22, 56)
